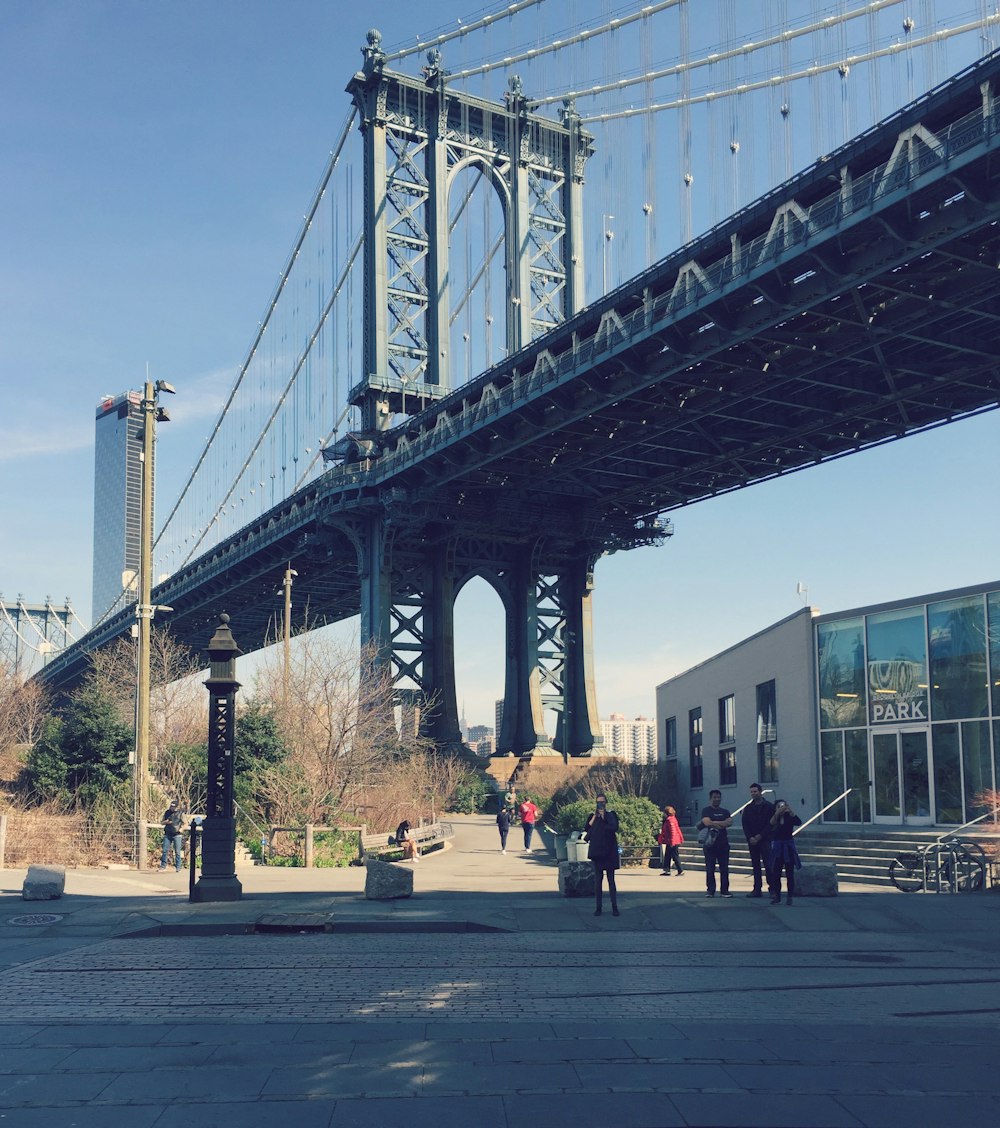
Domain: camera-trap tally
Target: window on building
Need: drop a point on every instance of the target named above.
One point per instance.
(670, 739)
(727, 766)
(727, 720)
(695, 734)
(767, 733)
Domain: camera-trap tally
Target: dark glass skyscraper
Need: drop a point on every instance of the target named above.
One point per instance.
(117, 496)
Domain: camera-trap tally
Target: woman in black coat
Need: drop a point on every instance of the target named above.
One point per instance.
(602, 850)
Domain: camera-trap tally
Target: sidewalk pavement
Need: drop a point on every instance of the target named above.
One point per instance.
(488, 998)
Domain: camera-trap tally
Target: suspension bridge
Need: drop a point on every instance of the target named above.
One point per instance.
(442, 388)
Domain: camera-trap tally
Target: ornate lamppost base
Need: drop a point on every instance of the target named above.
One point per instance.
(217, 889)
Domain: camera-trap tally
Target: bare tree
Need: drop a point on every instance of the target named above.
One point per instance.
(334, 709)
(23, 707)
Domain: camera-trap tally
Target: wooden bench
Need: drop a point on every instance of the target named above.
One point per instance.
(427, 837)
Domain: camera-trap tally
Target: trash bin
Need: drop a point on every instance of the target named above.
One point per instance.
(576, 848)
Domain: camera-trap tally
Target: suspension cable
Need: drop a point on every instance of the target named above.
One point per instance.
(282, 282)
(718, 56)
(570, 41)
(289, 383)
(808, 72)
(465, 29)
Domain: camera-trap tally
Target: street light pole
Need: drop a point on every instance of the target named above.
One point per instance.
(151, 415)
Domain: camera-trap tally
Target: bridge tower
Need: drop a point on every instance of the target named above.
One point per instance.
(418, 136)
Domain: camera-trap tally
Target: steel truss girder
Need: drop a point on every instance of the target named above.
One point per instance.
(417, 133)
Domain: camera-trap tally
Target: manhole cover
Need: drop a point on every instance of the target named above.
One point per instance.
(30, 920)
(869, 957)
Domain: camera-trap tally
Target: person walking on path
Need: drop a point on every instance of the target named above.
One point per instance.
(670, 839)
(716, 818)
(173, 835)
(757, 829)
(503, 825)
(529, 816)
(784, 855)
(601, 833)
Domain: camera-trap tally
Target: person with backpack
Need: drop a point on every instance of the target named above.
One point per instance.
(503, 825)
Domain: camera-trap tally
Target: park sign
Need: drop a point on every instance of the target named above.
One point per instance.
(897, 692)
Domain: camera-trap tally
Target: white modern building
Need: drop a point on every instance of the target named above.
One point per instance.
(634, 741)
(898, 704)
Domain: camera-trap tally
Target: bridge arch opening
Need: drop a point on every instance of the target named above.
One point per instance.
(477, 275)
(480, 648)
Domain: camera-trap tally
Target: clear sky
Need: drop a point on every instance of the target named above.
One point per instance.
(157, 159)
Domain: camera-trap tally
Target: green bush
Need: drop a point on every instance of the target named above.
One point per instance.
(638, 818)
(470, 794)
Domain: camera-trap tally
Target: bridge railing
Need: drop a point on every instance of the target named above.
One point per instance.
(870, 191)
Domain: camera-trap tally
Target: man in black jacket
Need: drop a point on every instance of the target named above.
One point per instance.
(757, 828)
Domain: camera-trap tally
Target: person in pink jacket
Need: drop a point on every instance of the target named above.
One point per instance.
(670, 838)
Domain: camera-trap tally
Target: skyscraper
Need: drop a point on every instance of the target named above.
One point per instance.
(117, 496)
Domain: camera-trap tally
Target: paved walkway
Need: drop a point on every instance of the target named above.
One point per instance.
(488, 999)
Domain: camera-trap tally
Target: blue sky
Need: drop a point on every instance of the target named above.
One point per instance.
(157, 160)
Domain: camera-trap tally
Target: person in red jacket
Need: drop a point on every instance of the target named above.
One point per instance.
(670, 838)
(529, 816)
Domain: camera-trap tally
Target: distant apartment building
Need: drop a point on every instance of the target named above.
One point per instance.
(634, 741)
(477, 733)
(498, 718)
(485, 747)
(117, 497)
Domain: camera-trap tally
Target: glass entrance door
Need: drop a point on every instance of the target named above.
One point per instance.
(901, 776)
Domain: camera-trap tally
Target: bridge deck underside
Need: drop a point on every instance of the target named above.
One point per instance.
(885, 324)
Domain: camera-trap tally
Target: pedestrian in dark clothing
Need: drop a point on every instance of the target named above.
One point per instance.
(757, 828)
(173, 835)
(716, 817)
(601, 833)
(784, 855)
(503, 825)
(670, 839)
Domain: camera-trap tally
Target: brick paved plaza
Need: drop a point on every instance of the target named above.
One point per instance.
(489, 1000)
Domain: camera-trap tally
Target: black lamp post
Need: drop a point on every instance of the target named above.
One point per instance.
(218, 881)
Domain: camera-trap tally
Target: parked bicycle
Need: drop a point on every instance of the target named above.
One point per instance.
(953, 864)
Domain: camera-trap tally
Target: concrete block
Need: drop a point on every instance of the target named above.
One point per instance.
(386, 881)
(576, 879)
(44, 883)
(814, 880)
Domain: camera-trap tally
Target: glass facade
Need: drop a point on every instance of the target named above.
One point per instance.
(117, 497)
(908, 711)
(767, 733)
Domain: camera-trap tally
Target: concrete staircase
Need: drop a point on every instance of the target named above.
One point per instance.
(861, 854)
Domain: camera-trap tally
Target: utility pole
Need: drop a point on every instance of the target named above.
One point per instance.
(287, 628)
(152, 413)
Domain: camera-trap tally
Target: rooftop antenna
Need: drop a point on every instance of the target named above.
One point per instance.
(802, 590)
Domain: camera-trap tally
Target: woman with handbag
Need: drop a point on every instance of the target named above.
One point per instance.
(670, 839)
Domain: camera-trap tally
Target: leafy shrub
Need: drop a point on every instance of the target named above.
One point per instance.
(638, 818)
(469, 795)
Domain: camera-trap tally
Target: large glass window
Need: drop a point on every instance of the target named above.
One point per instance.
(977, 770)
(897, 666)
(727, 720)
(947, 774)
(957, 631)
(842, 698)
(993, 611)
(727, 766)
(695, 736)
(767, 733)
(670, 739)
(856, 775)
(832, 771)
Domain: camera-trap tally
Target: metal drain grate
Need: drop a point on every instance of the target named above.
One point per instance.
(34, 920)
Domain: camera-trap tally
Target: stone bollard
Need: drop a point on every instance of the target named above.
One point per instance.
(44, 883)
(576, 879)
(385, 881)
(814, 880)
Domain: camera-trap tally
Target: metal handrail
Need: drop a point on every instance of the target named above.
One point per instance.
(823, 811)
(958, 830)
